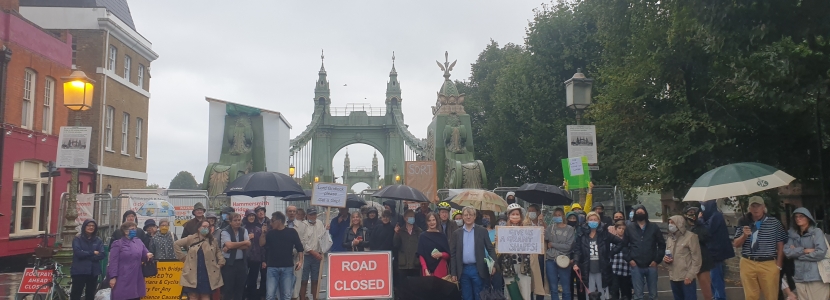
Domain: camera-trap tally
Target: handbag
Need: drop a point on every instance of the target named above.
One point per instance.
(150, 268)
(513, 289)
(824, 264)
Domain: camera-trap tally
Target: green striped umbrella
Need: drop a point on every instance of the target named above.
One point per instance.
(736, 180)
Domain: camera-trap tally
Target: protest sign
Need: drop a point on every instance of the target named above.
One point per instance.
(360, 275)
(582, 142)
(423, 176)
(520, 239)
(32, 281)
(329, 194)
(576, 174)
(165, 285)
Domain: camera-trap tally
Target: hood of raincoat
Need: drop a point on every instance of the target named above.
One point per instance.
(392, 204)
(680, 222)
(637, 207)
(83, 228)
(806, 213)
(711, 207)
(127, 213)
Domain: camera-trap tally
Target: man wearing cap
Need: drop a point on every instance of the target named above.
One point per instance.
(761, 239)
(129, 216)
(149, 231)
(600, 210)
(192, 226)
(313, 231)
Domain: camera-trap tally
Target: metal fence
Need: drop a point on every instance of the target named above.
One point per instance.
(105, 212)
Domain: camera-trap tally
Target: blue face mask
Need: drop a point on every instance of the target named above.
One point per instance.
(132, 233)
(485, 222)
(593, 224)
(703, 208)
(224, 217)
(410, 220)
(630, 215)
(557, 220)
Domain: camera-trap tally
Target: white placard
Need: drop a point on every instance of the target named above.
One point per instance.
(242, 203)
(73, 147)
(520, 239)
(329, 194)
(575, 166)
(582, 142)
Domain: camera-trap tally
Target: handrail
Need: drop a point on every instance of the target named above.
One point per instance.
(300, 141)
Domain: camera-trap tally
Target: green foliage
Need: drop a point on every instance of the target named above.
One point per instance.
(152, 186)
(681, 86)
(184, 180)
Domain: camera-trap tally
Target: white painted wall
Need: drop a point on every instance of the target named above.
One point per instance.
(216, 126)
(277, 139)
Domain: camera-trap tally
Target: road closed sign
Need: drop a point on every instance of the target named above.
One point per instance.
(360, 275)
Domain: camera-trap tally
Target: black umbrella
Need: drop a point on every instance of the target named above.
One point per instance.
(298, 197)
(263, 184)
(426, 288)
(545, 194)
(354, 201)
(401, 192)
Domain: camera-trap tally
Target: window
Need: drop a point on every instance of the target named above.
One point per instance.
(125, 130)
(29, 81)
(141, 76)
(74, 52)
(139, 123)
(108, 128)
(30, 206)
(48, 99)
(127, 62)
(111, 61)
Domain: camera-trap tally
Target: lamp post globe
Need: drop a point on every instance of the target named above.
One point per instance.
(578, 93)
(291, 170)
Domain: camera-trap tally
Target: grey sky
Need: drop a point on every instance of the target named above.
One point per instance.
(267, 53)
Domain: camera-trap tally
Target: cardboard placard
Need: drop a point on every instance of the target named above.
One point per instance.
(520, 239)
(423, 176)
(360, 275)
(165, 285)
(329, 194)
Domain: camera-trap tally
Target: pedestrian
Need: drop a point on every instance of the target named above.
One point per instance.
(372, 219)
(646, 247)
(468, 246)
(572, 219)
(445, 225)
(421, 216)
(382, 238)
(682, 258)
(620, 269)
(301, 214)
(618, 216)
(256, 258)
(497, 279)
(87, 253)
(150, 230)
(605, 221)
(161, 244)
(523, 268)
(560, 239)
(391, 205)
(573, 222)
(761, 239)
(224, 220)
(235, 241)
(355, 238)
(313, 256)
(124, 269)
(280, 242)
(535, 217)
(592, 254)
(694, 225)
(719, 246)
(337, 229)
(291, 218)
(192, 225)
(213, 220)
(510, 198)
(203, 259)
(406, 244)
(299, 226)
(807, 245)
(457, 217)
(433, 249)
(128, 216)
(260, 216)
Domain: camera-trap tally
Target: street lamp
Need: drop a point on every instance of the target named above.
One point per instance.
(291, 170)
(316, 179)
(77, 96)
(578, 93)
(397, 178)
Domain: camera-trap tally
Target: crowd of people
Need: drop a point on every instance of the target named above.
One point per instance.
(251, 256)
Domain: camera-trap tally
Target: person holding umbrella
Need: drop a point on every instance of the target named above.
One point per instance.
(761, 239)
(256, 257)
(391, 205)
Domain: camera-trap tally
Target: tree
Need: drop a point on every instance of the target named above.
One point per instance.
(184, 180)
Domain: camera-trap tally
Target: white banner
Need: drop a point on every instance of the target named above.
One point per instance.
(520, 239)
(85, 207)
(138, 200)
(329, 194)
(242, 203)
(73, 147)
(582, 142)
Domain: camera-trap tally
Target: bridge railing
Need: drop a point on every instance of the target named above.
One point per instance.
(352, 107)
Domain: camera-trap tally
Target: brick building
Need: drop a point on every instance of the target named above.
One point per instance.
(32, 63)
(107, 47)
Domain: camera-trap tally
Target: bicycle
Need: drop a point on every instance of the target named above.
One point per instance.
(52, 290)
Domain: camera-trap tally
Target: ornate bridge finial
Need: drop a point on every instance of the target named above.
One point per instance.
(393, 58)
(446, 67)
(322, 55)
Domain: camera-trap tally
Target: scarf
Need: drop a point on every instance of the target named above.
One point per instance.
(429, 241)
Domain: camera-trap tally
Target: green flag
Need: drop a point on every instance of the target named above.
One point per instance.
(576, 172)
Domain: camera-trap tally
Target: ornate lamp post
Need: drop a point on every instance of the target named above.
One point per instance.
(578, 93)
(77, 96)
(291, 170)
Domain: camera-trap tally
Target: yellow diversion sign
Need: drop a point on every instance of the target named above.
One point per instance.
(165, 285)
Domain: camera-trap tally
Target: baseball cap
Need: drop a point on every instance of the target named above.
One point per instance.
(311, 211)
(756, 200)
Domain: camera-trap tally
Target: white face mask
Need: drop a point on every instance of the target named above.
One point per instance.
(459, 222)
(532, 215)
(672, 228)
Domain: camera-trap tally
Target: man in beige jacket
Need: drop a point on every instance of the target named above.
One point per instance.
(682, 258)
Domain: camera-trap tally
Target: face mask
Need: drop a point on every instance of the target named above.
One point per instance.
(132, 233)
(204, 231)
(502, 223)
(459, 222)
(164, 230)
(532, 215)
(410, 220)
(631, 215)
(557, 220)
(703, 208)
(572, 223)
(672, 228)
(311, 221)
(593, 224)
(640, 217)
(224, 217)
(485, 222)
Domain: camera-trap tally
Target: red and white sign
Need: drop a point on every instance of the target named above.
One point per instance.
(360, 275)
(31, 281)
(242, 203)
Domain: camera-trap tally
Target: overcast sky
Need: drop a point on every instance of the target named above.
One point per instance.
(266, 54)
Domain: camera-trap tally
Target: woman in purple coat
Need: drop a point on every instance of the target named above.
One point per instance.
(124, 270)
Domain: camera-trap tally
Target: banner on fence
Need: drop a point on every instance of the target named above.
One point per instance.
(520, 239)
(423, 176)
(165, 285)
(360, 275)
(329, 194)
(242, 203)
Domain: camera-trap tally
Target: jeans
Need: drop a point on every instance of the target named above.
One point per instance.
(280, 280)
(251, 291)
(81, 283)
(471, 285)
(650, 276)
(718, 284)
(558, 276)
(683, 291)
